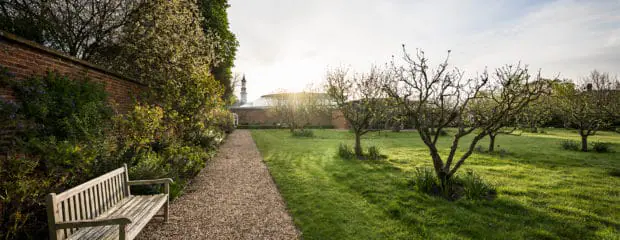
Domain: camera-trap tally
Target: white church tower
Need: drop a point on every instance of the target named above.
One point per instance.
(244, 93)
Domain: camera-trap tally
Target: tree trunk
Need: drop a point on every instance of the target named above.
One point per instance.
(584, 143)
(492, 142)
(443, 177)
(358, 145)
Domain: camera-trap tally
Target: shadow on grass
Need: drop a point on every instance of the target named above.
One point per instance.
(389, 189)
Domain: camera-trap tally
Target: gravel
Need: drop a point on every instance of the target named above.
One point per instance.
(234, 197)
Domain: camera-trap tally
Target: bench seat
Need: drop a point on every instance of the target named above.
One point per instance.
(139, 208)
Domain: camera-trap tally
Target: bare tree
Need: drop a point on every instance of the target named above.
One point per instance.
(78, 28)
(513, 88)
(359, 97)
(591, 105)
(441, 98)
(537, 113)
(297, 110)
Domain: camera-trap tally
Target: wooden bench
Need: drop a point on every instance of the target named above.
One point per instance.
(103, 208)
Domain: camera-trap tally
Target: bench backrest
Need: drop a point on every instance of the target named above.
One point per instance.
(86, 201)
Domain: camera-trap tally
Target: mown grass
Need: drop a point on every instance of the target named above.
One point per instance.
(544, 192)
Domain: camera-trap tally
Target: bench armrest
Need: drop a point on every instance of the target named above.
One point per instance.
(94, 222)
(150, 182)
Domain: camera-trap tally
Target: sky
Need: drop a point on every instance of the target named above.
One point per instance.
(288, 44)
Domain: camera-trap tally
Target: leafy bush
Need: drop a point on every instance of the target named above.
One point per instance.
(302, 133)
(614, 172)
(23, 189)
(153, 151)
(601, 147)
(186, 161)
(223, 120)
(345, 152)
(570, 145)
(59, 136)
(58, 106)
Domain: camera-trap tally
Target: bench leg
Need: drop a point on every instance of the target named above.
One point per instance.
(166, 212)
(122, 232)
(167, 191)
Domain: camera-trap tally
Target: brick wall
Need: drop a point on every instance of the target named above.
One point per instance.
(338, 120)
(262, 116)
(24, 58)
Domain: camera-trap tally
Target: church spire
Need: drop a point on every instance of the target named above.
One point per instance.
(244, 93)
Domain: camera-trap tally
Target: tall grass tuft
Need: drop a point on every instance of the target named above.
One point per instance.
(374, 153)
(601, 147)
(303, 133)
(474, 187)
(570, 145)
(345, 152)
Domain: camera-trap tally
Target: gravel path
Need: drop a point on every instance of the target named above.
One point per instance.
(234, 197)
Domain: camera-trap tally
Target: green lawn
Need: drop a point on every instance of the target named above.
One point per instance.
(544, 192)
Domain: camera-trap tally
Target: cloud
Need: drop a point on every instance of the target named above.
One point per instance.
(287, 44)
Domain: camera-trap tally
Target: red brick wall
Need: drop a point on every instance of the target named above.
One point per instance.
(254, 116)
(261, 116)
(24, 58)
(338, 120)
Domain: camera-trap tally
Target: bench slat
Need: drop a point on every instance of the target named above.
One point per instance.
(64, 195)
(138, 208)
(100, 207)
(82, 202)
(119, 188)
(73, 210)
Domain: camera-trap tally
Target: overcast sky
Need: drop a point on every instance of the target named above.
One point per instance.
(286, 44)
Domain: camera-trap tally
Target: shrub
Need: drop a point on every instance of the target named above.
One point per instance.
(139, 127)
(374, 154)
(56, 105)
(23, 189)
(59, 135)
(601, 147)
(570, 145)
(223, 120)
(185, 161)
(303, 133)
(615, 172)
(345, 151)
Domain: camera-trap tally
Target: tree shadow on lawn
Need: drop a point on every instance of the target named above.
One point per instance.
(434, 217)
